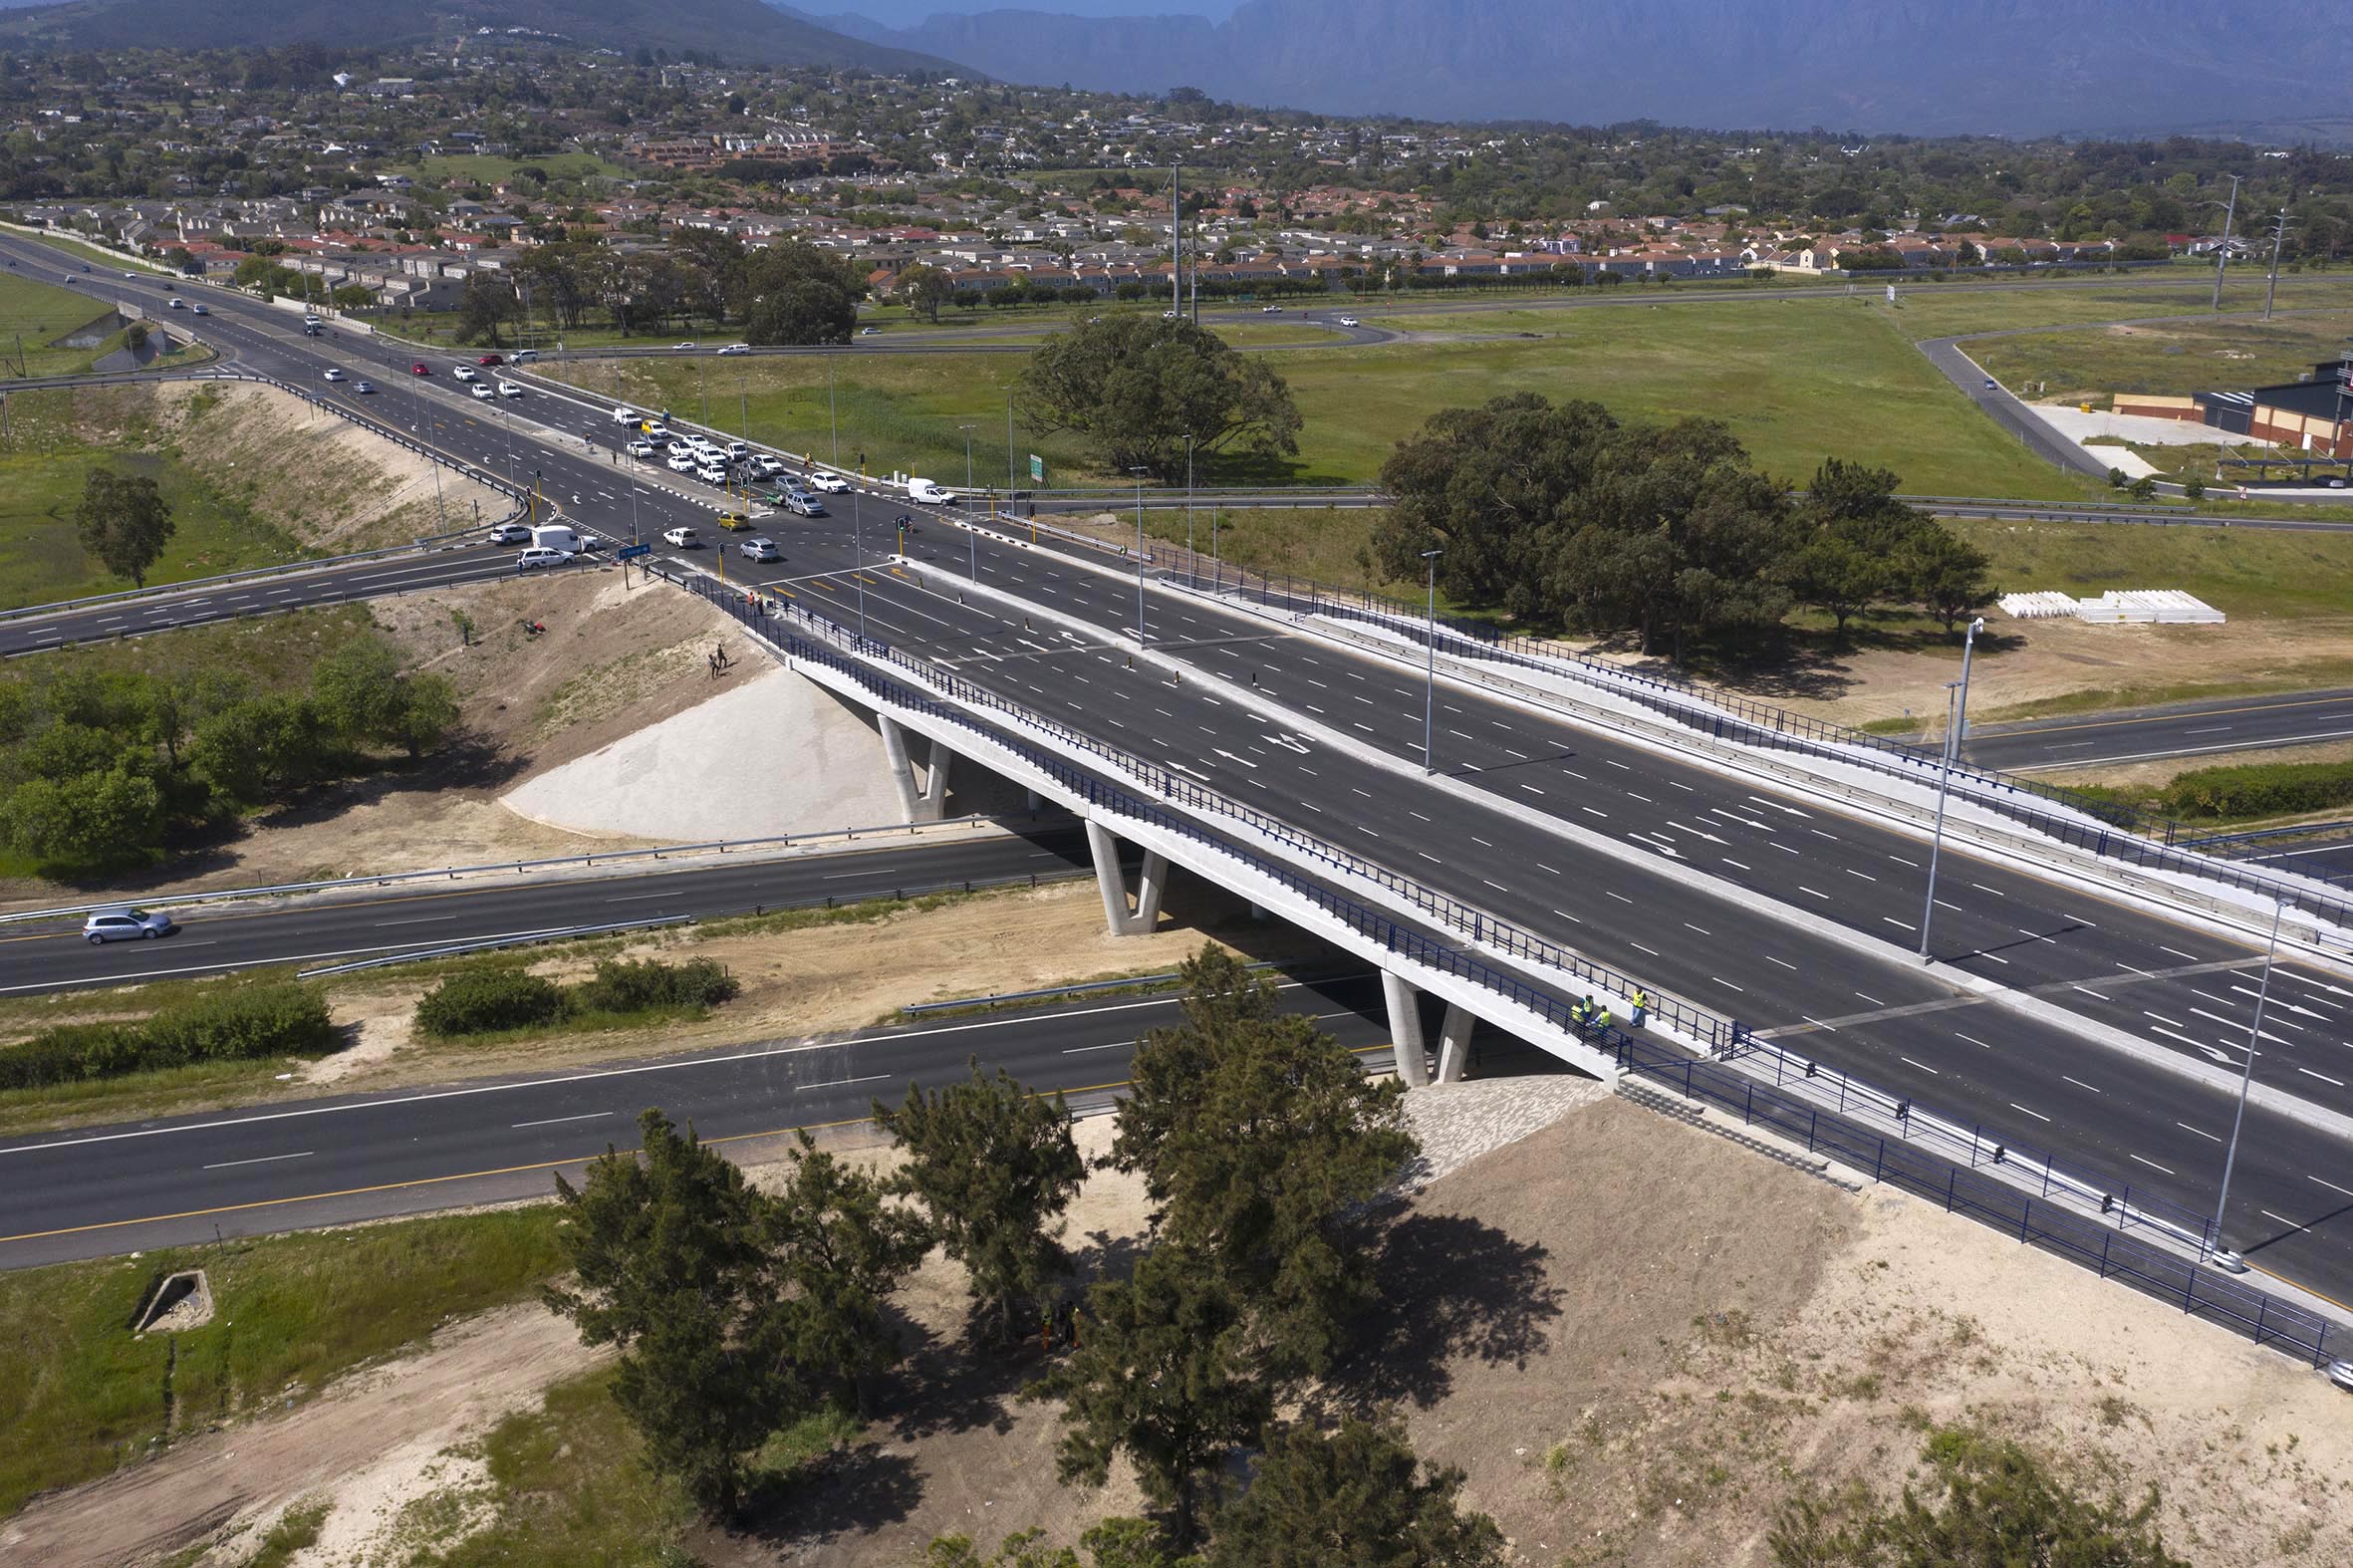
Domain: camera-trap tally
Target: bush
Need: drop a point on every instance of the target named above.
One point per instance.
(486, 999)
(242, 1024)
(620, 987)
(2260, 788)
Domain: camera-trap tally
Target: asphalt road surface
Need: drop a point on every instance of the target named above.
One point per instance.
(96, 1191)
(1698, 885)
(2182, 729)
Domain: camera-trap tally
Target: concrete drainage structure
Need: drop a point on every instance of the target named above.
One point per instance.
(181, 1302)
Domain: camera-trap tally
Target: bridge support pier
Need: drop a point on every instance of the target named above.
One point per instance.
(928, 803)
(1405, 1029)
(1453, 1043)
(1150, 882)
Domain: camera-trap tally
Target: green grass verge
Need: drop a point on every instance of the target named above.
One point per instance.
(32, 314)
(2251, 573)
(2175, 358)
(290, 1312)
(41, 474)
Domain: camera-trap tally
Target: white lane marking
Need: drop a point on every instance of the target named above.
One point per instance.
(2078, 1083)
(2037, 1115)
(262, 1161)
(1922, 1066)
(2187, 1128)
(2332, 1186)
(557, 1120)
(1973, 1039)
(838, 1083)
(2151, 1163)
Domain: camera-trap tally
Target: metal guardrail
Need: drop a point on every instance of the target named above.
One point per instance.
(2252, 835)
(1724, 1040)
(493, 944)
(450, 873)
(2090, 1243)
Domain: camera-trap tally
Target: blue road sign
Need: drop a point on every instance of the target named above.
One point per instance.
(632, 552)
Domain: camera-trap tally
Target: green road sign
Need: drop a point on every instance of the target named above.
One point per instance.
(1037, 469)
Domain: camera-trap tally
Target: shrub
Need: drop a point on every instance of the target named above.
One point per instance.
(620, 987)
(486, 999)
(2260, 788)
(240, 1024)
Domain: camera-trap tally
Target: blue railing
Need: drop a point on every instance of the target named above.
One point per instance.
(2205, 1292)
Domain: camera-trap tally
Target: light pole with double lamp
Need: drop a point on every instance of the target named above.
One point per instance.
(1430, 686)
(1955, 726)
(1140, 473)
(2218, 1256)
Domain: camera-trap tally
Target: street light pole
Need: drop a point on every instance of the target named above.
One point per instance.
(1954, 731)
(1139, 474)
(2222, 254)
(858, 548)
(2218, 1254)
(1430, 686)
(1191, 579)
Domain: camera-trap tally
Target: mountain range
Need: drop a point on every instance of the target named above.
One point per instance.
(1927, 67)
(745, 30)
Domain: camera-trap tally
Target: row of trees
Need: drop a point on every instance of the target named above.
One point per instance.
(101, 770)
(1259, 1143)
(786, 293)
(1559, 513)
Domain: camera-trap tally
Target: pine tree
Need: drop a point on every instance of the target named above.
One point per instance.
(841, 1248)
(1355, 1495)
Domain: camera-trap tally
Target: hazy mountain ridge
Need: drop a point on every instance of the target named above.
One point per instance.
(1921, 65)
(744, 30)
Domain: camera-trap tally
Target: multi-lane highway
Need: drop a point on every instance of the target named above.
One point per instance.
(2182, 729)
(1779, 912)
(412, 916)
(98, 1191)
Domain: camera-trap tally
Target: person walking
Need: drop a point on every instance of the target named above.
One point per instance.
(1640, 1003)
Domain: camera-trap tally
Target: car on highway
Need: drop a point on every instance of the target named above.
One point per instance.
(1347, 320)
(737, 453)
(203, 310)
(509, 390)
(464, 372)
(868, 331)
(483, 391)
(803, 503)
(759, 550)
(640, 448)
(658, 431)
(684, 348)
(737, 348)
(734, 522)
(1270, 310)
(491, 359)
(929, 493)
(1989, 383)
(178, 304)
(420, 369)
(625, 414)
(682, 539)
(332, 374)
(830, 483)
(511, 534)
(680, 462)
(126, 926)
(539, 556)
(709, 473)
(767, 468)
(364, 387)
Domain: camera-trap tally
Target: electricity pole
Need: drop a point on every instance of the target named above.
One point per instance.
(2278, 239)
(2222, 254)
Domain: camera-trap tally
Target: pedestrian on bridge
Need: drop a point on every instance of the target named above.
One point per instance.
(1640, 1006)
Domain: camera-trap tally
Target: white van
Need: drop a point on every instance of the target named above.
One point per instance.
(556, 536)
(628, 416)
(930, 494)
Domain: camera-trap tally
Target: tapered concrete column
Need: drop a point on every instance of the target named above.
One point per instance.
(903, 772)
(1453, 1043)
(1405, 1029)
(932, 805)
(1104, 845)
(1153, 882)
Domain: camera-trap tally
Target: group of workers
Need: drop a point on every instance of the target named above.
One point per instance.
(1589, 1016)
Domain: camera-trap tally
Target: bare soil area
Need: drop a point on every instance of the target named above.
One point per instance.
(1636, 1338)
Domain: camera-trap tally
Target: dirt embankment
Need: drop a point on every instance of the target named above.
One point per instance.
(326, 482)
(1636, 1340)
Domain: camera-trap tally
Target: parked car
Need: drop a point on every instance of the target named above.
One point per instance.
(539, 556)
(759, 550)
(126, 926)
(332, 374)
(803, 503)
(682, 539)
(511, 534)
(830, 483)
(509, 390)
(364, 387)
(420, 369)
(734, 522)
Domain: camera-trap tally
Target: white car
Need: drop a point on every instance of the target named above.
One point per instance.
(1348, 321)
(684, 348)
(539, 556)
(830, 483)
(332, 374)
(640, 448)
(178, 304)
(464, 372)
(680, 462)
(509, 390)
(626, 415)
(760, 550)
(511, 534)
(656, 431)
(710, 474)
(767, 468)
(1270, 310)
(482, 390)
(738, 452)
(682, 539)
(737, 348)
(928, 493)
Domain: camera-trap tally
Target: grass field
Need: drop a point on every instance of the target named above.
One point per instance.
(290, 1312)
(32, 314)
(2251, 573)
(41, 481)
(2176, 359)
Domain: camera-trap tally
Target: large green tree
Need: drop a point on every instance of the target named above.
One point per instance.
(1164, 1374)
(1354, 1496)
(994, 1168)
(1258, 1137)
(794, 292)
(488, 304)
(841, 1247)
(1135, 386)
(123, 522)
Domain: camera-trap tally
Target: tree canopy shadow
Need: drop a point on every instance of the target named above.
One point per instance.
(850, 1489)
(1452, 1287)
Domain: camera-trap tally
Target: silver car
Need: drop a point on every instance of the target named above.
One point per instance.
(127, 926)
